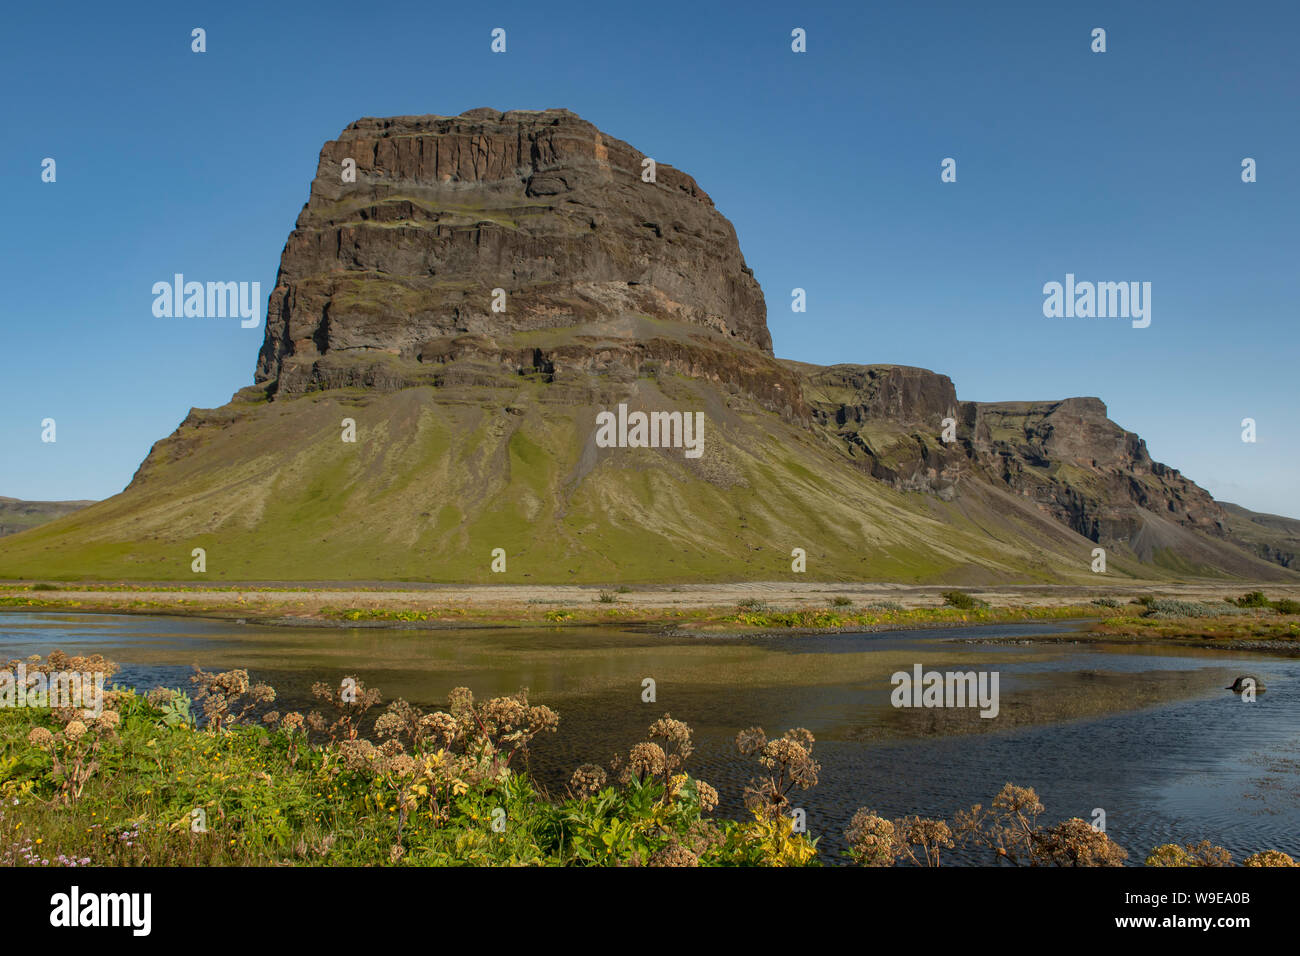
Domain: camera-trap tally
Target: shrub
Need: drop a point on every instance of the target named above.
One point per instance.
(1252, 599)
(1286, 606)
(1106, 602)
(1166, 607)
(606, 597)
(840, 601)
(884, 606)
(960, 599)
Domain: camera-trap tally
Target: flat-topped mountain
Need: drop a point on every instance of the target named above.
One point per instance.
(473, 292)
(429, 241)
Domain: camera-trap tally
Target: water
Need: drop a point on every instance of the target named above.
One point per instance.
(1148, 734)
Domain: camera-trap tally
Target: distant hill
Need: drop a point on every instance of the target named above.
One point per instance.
(17, 515)
(1272, 537)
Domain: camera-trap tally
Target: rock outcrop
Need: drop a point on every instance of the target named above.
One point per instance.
(1066, 458)
(541, 205)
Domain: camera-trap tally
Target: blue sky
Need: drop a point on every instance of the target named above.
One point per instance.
(1122, 166)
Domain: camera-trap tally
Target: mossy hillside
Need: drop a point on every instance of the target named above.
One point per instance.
(440, 477)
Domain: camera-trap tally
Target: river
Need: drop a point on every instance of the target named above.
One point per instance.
(1146, 733)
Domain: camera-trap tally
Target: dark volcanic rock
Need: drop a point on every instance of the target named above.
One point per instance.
(1066, 457)
(446, 209)
(1082, 468)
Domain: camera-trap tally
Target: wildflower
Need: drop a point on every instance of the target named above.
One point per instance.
(39, 737)
(645, 760)
(587, 779)
(292, 723)
(75, 730)
(1269, 858)
(674, 855)
(707, 795)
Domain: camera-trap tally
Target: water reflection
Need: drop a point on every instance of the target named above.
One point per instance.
(1146, 733)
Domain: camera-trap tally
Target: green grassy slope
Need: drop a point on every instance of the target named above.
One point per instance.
(438, 478)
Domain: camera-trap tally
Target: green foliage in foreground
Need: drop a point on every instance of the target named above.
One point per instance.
(143, 783)
(149, 788)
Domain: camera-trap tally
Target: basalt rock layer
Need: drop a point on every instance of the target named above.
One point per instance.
(428, 236)
(470, 292)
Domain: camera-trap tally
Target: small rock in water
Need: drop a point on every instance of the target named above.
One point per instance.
(1244, 681)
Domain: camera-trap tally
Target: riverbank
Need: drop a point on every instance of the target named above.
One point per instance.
(749, 608)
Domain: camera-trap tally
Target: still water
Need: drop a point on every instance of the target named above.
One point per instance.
(1148, 734)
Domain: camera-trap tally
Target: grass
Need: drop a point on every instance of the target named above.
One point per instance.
(284, 499)
(748, 615)
(882, 618)
(1225, 628)
(1251, 617)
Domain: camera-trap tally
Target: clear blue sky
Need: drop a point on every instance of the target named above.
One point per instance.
(1117, 166)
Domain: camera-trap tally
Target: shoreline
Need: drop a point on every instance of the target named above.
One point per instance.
(709, 611)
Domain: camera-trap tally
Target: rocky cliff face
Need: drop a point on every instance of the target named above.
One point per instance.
(1066, 458)
(1075, 463)
(402, 263)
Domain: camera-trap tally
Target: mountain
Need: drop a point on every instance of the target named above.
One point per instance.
(1272, 537)
(473, 293)
(17, 515)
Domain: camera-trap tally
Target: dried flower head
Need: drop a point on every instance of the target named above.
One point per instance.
(645, 760)
(674, 855)
(707, 795)
(1269, 858)
(871, 839)
(587, 779)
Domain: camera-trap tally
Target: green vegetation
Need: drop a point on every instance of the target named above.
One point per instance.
(1257, 599)
(142, 785)
(961, 599)
(296, 504)
(748, 614)
(146, 783)
(876, 617)
(1252, 617)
